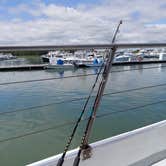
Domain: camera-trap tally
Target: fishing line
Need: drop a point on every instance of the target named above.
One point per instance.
(76, 76)
(73, 122)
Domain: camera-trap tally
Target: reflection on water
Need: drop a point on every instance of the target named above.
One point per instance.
(82, 71)
(54, 112)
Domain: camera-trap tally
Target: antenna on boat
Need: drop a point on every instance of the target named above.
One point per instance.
(84, 147)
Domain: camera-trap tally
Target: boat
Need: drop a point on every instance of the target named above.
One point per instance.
(122, 58)
(46, 57)
(78, 59)
(60, 62)
(162, 56)
(89, 63)
(90, 60)
(7, 56)
(128, 57)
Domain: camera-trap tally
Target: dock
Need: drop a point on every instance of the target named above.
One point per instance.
(23, 67)
(138, 63)
(44, 66)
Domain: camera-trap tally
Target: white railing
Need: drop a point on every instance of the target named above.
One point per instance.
(79, 47)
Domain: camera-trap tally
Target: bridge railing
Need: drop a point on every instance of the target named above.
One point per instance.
(80, 47)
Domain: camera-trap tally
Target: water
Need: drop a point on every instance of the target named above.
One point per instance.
(37, 146)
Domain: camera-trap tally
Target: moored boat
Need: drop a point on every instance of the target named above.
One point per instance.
(127, 57)
(8, 56)
(46, 57)
(93, 60)
(59, 62)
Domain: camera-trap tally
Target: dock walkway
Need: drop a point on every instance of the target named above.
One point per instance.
(23, 67)
(44, 66)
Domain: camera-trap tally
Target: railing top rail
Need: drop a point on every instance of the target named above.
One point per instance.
(79, 47)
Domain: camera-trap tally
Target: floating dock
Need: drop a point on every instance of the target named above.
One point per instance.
(138, 63)
(44, 66)
(23, 67)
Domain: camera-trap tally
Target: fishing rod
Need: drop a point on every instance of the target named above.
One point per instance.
(85, 147)
(61, 159)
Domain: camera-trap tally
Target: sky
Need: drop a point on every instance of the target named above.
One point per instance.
(46, 22)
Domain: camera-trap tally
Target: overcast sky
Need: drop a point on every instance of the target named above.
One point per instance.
(36, 22)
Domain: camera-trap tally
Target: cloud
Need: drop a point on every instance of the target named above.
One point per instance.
(83, 24)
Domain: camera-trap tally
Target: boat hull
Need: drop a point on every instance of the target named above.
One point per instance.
(65, 66)
(86, 65)
(141, 147)
(45, 59)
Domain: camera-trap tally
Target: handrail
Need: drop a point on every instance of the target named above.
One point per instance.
(80, 47)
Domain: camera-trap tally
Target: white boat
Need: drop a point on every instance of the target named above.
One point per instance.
(60, 62)
(162, 56)
(145, 146)
(69, 60)
(122, 58)
(47, 56)
(129, 58)
(90, 60)
(7, 56)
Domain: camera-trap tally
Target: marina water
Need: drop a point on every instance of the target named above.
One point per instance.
(44, 112)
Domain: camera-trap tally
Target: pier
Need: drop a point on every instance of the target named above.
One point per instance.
(44, 66)
(138, 63)
(23, 67)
